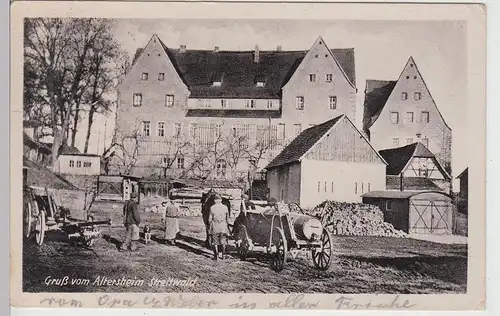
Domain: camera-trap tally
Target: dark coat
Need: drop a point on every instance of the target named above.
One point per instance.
(131, 213)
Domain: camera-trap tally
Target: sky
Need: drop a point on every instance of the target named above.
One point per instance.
(381, 51)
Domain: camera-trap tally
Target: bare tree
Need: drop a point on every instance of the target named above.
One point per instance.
(206, 155)
(104, 76)
(127, 150)
(265, 144)
(58, 62)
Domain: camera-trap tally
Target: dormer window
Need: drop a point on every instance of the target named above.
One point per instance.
(260, 80)
(217, 79)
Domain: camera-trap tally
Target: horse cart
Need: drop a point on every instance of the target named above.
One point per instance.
(41, 214)
(281, 231)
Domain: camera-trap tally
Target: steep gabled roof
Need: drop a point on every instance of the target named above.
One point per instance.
(239, 72)
(378, 91)
(302, 143)
(376, 94)
(398, 158)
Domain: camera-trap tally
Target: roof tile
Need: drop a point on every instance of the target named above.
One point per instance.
(197, 69)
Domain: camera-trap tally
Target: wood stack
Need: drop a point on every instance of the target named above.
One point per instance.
(354, 219)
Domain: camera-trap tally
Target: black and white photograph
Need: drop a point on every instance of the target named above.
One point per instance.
(264, 156)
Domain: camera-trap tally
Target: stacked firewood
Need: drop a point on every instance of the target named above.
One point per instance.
(354, 219)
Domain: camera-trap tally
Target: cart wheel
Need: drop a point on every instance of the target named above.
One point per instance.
(277, 259)
(28, 220)
(322, 257)
(244, 245)
(40, 228)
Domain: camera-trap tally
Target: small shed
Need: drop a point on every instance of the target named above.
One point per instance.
(415, 212)
(116, 188)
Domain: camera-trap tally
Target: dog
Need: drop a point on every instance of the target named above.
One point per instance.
(147, 234)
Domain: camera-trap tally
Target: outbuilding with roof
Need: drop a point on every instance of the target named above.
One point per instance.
(332, 160)
(415, 212)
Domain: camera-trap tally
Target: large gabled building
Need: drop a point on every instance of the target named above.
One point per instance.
(401, 112)
(175, 96)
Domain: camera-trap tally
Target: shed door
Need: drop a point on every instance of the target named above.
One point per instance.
(107, 189)
(430, 217)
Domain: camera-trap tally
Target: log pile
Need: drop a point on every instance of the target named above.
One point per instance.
(354, 219)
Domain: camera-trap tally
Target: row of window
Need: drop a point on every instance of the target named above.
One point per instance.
(410, 140)
(224, 103)
(86, 164)
(218, 82)
(249, 103)
(359, 187)
(177, 129)
(146, 129)
(179, 163)
(137, 100)
(416, 96)
(410, 117)
(145, 76)
(328, 77)
(300, 102)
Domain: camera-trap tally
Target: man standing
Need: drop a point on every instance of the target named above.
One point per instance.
(171, 220)
(219, 230)
(131, 220)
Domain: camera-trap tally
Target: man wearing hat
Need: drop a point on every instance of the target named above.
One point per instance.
(131, 220)
(219, 229)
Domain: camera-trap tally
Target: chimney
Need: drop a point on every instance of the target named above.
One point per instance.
(278, 49)
(183, 49)
(256, 54)
(216, 49)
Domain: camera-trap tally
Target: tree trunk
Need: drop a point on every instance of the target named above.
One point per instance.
(75, 124)
(55, 149)
(89, 129)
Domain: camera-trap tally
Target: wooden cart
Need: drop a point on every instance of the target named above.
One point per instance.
(281, 232)
(41, 214)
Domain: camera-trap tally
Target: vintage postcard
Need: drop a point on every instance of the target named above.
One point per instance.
(248, 155)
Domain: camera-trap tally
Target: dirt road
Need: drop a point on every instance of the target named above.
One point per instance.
(362, 265)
